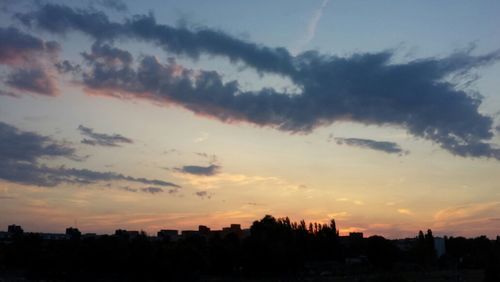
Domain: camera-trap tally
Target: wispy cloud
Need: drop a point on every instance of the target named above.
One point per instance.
(212, 159)
(224, 179)
(405, 211)
(203, 137)
(356, 202)
(204, 194)
(338, 215)
(469, 219)
(152, 190)
(466, 212)
(311, 27)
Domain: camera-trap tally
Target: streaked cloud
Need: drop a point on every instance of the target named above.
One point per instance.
(383, 146)
(102, 139)
(199, 170)
(150, 190)
(28, 147)
(21, 154)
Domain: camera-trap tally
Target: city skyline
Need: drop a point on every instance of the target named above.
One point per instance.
(383, 116)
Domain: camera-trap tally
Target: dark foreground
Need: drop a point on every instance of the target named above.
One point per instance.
(274, 250)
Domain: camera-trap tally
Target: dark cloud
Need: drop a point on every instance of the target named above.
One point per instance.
(368, 88)
(173, 191)
(35, 79)
(17, 47)
(28, 147)
(62, 19)
(21, 153)
(42, 175)
(117, 5)
(108, 55)
(102, 139)
(90, 176)
(442, 114)
(152, 190)
(67, 67)
(384, 146)
(204, 194)
(125, 188)
(25, 54)
(199, 170)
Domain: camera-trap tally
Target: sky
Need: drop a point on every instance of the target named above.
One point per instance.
(149, 115)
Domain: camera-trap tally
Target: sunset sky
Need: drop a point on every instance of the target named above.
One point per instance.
(146, 115)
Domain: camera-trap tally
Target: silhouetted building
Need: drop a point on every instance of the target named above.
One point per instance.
(232, 229)
(439, 246)
(73, 233)
(274, 248)
(245, 233)
(15, 230)
(405, 244)
(168, 234)
(125, 234)
(203, 230)
(352, 238)
(4, 235)
(90, 235)
(53, 236)
(189, 233)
